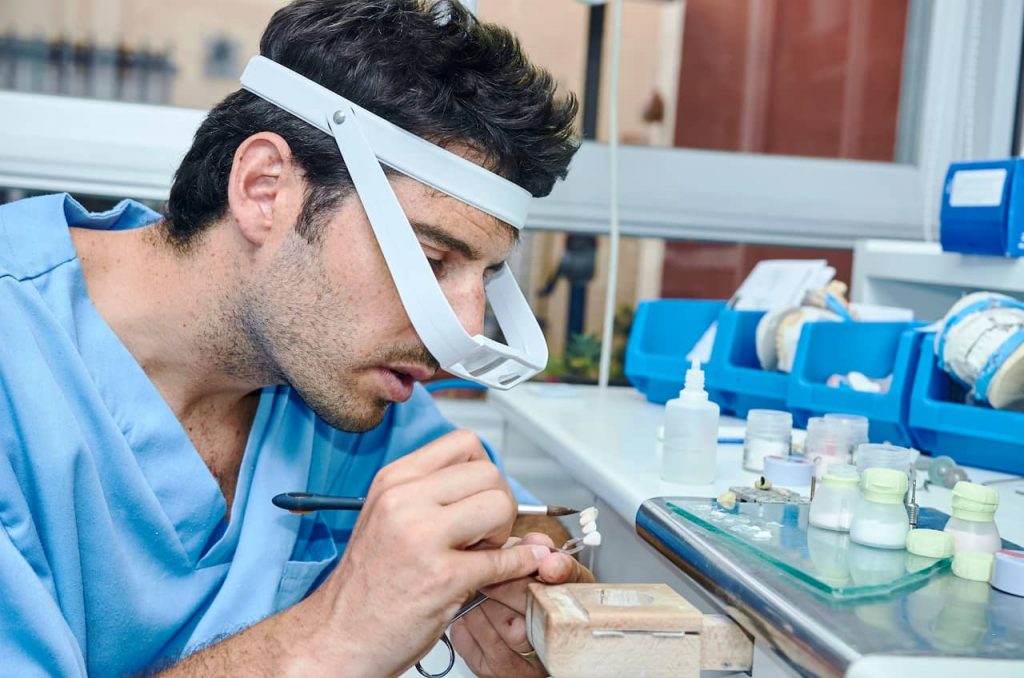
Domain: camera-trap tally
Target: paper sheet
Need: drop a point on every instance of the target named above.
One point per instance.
(774, 283)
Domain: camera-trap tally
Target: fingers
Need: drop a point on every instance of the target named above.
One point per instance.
(508, 623)
(484, 517)
(490, 566)
(467, 647)
(559, 568)
(454, 448)
(538, 538)
(459, 481)
(499, 659)
(553, 568)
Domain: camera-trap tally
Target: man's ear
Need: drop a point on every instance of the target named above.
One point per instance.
(263, 189)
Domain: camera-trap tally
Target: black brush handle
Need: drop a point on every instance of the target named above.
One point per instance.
(304, 502)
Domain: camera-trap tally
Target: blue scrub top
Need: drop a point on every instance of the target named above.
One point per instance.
(115, 554)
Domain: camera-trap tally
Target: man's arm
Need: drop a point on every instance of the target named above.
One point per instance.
(426, 540)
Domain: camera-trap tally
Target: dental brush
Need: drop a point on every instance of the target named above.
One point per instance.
(305, 502)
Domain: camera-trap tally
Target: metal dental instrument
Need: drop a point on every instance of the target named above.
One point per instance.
(304, 502)
(571, 547)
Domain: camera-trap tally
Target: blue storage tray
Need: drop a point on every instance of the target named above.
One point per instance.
(736, 375)
(664, 331)
(972, 435)
(876, 349)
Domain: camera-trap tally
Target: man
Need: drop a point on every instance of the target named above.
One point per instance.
(162, 379)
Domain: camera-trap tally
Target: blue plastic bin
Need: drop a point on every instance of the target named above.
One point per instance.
(664, 331)
(972, 435)
(876, 349)
(736, 374)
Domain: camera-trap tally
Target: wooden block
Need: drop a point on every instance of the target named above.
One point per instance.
(724, 646)
(596, 630)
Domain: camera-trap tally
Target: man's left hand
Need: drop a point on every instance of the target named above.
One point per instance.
(492, 638)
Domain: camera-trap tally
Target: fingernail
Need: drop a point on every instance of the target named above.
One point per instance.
(540, 552)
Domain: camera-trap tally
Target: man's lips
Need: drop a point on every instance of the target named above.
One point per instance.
(413, 372)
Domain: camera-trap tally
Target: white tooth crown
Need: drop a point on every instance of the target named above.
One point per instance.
(588, 522)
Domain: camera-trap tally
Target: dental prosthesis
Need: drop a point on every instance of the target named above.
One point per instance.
(778, 332)
(980, 344)
(588, 522)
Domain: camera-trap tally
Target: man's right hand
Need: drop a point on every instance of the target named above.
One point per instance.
(428, 538)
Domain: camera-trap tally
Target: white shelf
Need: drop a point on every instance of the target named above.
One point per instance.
(920, 276)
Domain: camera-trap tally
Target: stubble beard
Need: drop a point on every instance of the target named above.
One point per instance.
(277, 342)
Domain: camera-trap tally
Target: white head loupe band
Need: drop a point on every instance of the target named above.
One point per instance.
(365, 141)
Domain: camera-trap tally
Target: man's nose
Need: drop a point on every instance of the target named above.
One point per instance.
(468, 300)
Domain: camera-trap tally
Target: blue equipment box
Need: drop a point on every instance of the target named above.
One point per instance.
(735, 372)
(663, 332)
(877, 349)
(983, 208)
(972, 435)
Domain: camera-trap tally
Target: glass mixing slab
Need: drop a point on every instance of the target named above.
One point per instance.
(826, 560)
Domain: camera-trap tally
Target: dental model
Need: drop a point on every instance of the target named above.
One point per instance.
(778, 331)
(588, 522)
(979, 344)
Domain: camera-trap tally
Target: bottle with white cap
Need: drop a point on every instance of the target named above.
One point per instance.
(973, 523)
(691, 433)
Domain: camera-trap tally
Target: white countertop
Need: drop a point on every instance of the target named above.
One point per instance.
(606, 439)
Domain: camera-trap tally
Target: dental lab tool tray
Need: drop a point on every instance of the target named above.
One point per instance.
(779, 535)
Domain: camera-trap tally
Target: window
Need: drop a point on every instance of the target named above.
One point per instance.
(806, 122)
(779, 162)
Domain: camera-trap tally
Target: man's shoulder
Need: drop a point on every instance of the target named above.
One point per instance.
(33, 236)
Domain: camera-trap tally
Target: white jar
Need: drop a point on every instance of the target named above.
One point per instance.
(880, 519)
(973, 523)
(769, 432)
(835, 498)
(870, 455)
(827, 442)
(854, 426)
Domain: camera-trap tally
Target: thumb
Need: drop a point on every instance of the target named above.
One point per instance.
(494, 566)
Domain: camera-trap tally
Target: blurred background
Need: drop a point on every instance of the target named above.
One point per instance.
(831, 89)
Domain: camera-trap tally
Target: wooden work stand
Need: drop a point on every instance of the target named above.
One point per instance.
(597, 630)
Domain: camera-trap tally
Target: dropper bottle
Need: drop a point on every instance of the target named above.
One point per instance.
(691, 433)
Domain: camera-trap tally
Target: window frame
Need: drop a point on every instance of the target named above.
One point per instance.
(967, 109)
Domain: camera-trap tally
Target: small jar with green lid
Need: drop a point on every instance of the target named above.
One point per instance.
(835, 498)
(880, 519)
(973, 523)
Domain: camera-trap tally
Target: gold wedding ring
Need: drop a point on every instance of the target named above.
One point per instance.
(532, 654)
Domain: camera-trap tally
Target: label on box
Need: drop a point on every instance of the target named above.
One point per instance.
(977, 188)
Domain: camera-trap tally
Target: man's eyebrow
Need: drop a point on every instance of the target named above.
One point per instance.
(445, 239)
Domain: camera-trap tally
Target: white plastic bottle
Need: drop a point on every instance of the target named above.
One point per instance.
(973, 523)
(691, 433)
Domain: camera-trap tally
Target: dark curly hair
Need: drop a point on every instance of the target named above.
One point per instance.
(429, 67)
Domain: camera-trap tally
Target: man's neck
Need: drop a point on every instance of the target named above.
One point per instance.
(170, 310)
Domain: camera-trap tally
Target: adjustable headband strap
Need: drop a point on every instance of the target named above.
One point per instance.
(395, 147)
